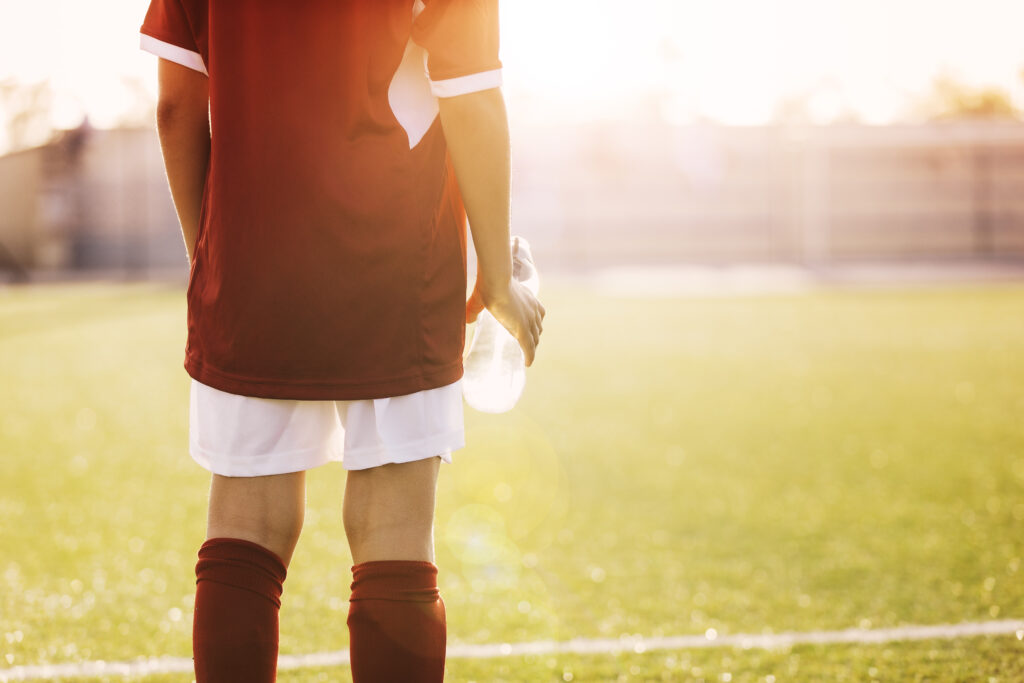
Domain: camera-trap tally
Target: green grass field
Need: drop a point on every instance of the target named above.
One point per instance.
(748, 464)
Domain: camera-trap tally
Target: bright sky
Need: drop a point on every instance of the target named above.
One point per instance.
(730, 60)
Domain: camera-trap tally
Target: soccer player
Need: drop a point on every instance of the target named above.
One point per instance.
(312, 151)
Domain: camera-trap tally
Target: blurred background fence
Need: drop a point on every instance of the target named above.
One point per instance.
(595, 195)
(608, 195)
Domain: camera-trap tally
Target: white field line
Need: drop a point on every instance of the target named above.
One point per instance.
(165, 665)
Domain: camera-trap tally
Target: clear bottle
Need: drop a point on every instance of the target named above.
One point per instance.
(495, 368)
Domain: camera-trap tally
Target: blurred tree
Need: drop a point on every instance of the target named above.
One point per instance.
(26, 114)
(950, 99)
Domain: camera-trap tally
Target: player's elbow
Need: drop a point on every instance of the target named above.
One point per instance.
(167, 112)
(173, 113)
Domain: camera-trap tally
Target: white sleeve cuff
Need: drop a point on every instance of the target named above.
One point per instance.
(463, 85)
(173, 53)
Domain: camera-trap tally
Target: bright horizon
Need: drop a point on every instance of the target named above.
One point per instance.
(730, 61)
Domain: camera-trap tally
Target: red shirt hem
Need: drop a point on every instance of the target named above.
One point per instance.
(327, 390)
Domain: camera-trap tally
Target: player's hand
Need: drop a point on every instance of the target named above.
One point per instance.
(516, 308)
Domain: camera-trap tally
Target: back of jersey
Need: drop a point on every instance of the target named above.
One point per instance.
(331, 255)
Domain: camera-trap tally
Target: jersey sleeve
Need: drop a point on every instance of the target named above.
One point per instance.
(167, 32)
(461, 41)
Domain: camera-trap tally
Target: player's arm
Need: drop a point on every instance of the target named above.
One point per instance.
(476, 130)
(183, 125)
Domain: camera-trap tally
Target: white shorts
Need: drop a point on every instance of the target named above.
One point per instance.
(243, 436)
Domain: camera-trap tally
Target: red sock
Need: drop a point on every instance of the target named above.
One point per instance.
(238, 595)
(396, 622)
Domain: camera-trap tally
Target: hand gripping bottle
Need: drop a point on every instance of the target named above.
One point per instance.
(495, 369)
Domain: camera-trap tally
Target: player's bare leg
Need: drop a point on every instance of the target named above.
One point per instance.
(396, 616)
(265, 510)
(389, 511)
(253, 526)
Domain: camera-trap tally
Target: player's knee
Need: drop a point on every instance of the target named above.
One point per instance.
(287, 530)
(278, 533)
(391, 542)
(365, 528)
(389, 511)
(279, 538)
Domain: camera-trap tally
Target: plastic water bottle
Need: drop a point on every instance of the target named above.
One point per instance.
(495, 369)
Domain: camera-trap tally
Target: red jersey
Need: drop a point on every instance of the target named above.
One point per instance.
(330, 261)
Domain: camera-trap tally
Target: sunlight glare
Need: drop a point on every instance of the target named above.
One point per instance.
(731, 61)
